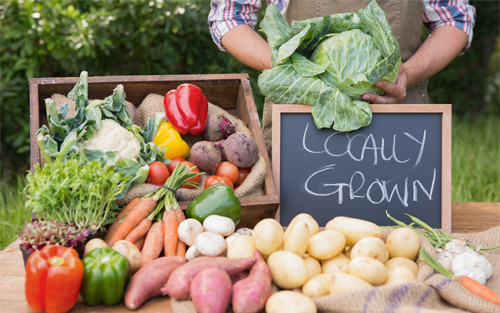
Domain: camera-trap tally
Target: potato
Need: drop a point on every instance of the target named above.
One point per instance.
(326, 244)
(336, 264)
(403, 242)
(340, 282)
(188, 230)
(297, 239)
(290, 302)
(306, 218)
(94, 244)
(354, 229)
(313, 265)
(399, 261)
(230, 239)
(267, 236)
(347, 252)
(317, 286)
(241, 248)
(210, 244)
(129, 251)
(368, 269)
(400, 275)
(221, 225)
(372, 247)
(289, 270)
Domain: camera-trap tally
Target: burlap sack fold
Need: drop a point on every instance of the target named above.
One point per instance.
(432, 293)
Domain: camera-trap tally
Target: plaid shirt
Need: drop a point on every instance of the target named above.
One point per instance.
(227, 14)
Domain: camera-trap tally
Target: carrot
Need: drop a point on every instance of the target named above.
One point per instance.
(181, 246)
(478, 289)
(141, 211)
(170, 233)
(139, 231)
(112, 229)
(153, 244)
(140, 243)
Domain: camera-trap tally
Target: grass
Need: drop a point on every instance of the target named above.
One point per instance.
(475, 178)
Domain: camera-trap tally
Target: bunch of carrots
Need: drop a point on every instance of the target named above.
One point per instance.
(135, 223)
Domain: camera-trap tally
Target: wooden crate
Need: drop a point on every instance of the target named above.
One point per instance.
(228, 91)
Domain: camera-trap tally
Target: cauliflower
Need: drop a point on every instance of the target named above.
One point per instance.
(111, 136)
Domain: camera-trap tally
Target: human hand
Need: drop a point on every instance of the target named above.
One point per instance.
(395, 92)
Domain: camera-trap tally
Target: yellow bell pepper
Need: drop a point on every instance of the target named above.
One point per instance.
(167, 137)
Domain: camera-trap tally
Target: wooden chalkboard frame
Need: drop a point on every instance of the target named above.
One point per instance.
(444, 109)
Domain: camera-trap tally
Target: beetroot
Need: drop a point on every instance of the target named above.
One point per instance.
(211, 291)
(220, 144)
(206, 155)
(218, 127)
(241, 150)
(250, 294)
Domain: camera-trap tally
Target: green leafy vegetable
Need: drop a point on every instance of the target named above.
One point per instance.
(329, 63)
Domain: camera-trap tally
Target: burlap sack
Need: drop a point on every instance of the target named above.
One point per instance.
(252, 185)
(432, 293)
(152, 104)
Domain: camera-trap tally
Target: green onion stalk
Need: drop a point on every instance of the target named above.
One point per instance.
(436, 237)
(165, 196)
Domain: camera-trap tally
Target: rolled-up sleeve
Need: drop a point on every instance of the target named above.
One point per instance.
(456, 13)
(227, 14)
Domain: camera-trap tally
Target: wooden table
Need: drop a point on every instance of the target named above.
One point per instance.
(467, 218)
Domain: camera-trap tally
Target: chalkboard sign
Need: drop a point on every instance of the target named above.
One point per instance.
(401, 163)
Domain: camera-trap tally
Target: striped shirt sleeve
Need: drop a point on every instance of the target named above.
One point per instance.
(456, 13)
(227, 14)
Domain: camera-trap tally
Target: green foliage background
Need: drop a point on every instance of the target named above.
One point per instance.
(58, 38)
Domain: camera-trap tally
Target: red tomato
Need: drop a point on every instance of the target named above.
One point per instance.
(195, 179)
(214, 179)
(171, 166)
(243, 175)
(158, 173)
(228, 170)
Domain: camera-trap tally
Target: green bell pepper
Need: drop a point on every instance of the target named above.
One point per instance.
(105, 277)
(218, 199)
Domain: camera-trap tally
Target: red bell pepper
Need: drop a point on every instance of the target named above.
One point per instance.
(53, 279)
(187, 109)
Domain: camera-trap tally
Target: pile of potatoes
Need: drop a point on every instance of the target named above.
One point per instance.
(348, 255)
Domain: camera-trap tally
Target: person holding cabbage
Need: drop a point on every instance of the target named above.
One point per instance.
(338, 56)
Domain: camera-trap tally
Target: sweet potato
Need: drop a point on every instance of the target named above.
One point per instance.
(218, 127)
(150, 278)
(211, 291)
(206, 156)
(179, 282)
(250, 294)
(241, 150)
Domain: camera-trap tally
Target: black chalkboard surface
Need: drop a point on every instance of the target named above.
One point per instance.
(399, 163)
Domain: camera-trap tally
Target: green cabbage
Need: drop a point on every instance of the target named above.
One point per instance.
(329, 63)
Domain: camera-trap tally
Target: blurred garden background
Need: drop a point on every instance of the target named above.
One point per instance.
(61, 38)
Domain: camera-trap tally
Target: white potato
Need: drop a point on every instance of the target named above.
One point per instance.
(221, 225)
(313, 265)
(290, 302)
(372, 247)
(129, 251)
(288, 269)
(354, 229)
(336, 264)
(241, 248)
(210, 244)
(267, 236)
(340, 282)
(192, 253)
(231, 238)
(94, 244)
(368, 269)
(326, 244)
(400, 275)
(297, 239)
(317, 286)
(244, 231)
(188, 230)
(399, 261)
(305, 218)
(403, 242)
